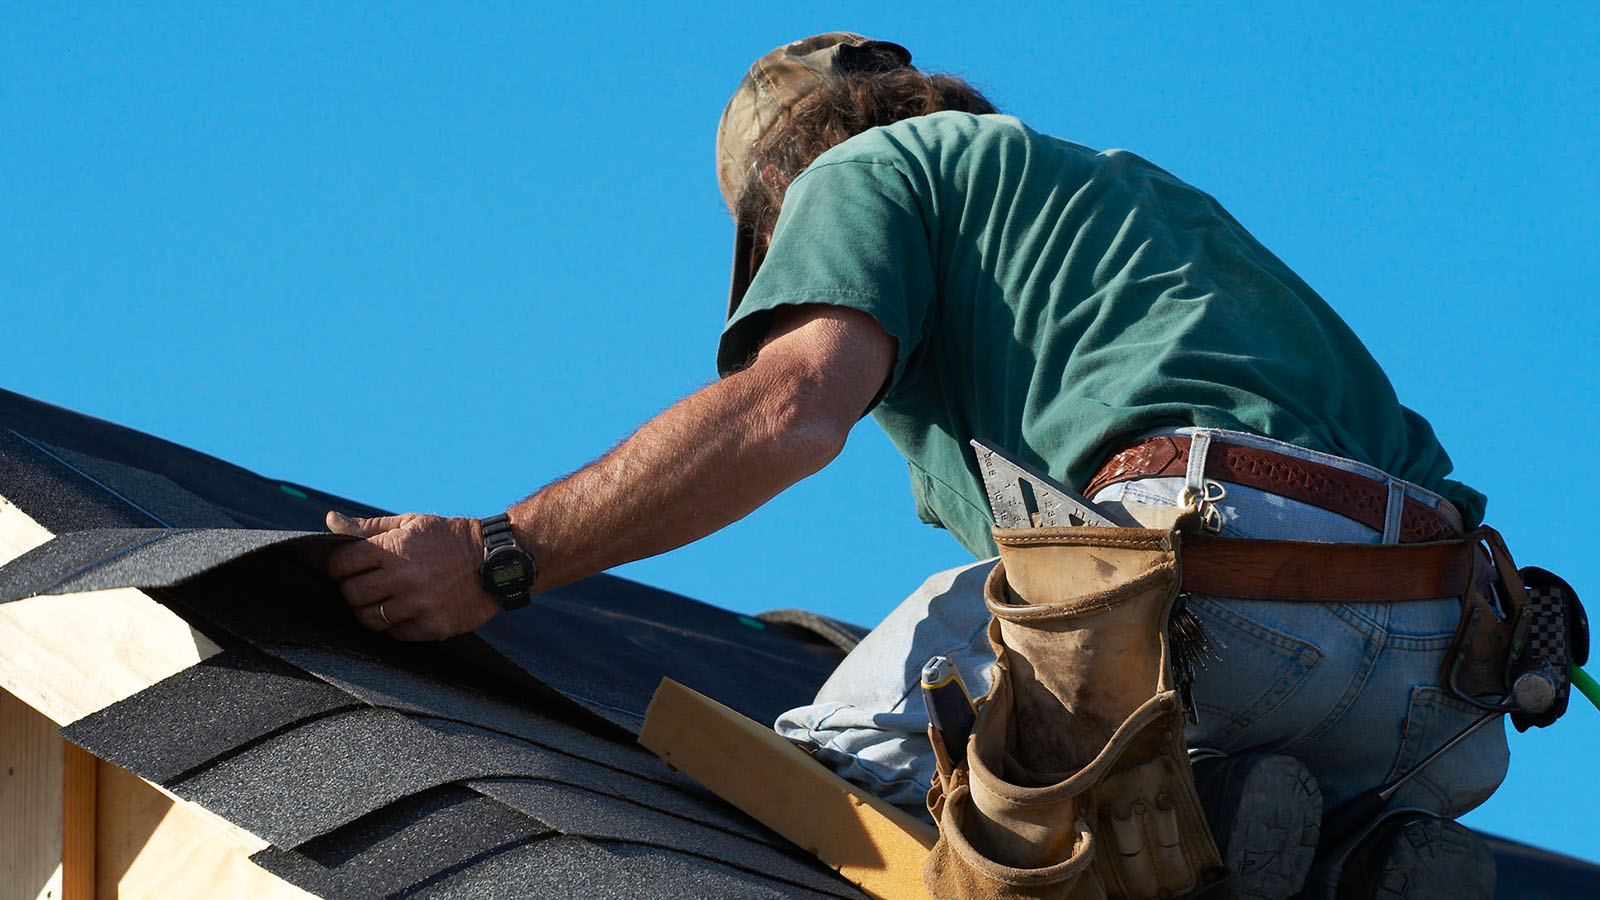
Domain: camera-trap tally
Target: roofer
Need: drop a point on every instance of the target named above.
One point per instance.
(961, 276)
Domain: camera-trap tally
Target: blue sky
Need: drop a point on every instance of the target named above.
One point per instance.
(432, 258)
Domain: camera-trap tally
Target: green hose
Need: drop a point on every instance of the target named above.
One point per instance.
(1587, 685)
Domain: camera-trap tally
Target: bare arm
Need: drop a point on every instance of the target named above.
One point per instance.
(707, 461)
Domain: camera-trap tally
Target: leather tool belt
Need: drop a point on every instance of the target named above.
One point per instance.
(1076, 781)
(1349, 494)
(1519, 631)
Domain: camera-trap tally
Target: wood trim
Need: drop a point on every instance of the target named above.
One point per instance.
(77, 822)
(876, 846)
(30, 803)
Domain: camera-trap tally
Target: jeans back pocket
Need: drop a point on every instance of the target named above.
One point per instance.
(1462, 778)
(1250, 673)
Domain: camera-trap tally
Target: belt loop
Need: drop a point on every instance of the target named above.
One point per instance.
(1194, 480)
(1393, 511)
(1199, 492)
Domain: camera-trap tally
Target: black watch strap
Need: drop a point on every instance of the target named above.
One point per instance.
(497, 533)
(508, 572)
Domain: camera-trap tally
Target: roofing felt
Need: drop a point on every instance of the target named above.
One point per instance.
(494, 764)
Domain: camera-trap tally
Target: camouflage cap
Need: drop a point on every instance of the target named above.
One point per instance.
(781, 79)
(773, 86)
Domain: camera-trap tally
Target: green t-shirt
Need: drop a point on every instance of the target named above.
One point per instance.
(1056, 303)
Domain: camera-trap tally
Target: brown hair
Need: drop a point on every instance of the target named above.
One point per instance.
(828, 117)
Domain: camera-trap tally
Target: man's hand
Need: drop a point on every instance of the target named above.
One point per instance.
(415, 576)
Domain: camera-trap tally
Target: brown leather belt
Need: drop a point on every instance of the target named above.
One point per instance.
(1294, 570)
(1346, 493)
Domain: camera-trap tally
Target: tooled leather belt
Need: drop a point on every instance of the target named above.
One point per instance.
(1333, 489)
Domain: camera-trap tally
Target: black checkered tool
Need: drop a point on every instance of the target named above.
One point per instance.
(1558, 639)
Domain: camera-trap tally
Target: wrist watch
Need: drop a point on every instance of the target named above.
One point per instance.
(507, 571)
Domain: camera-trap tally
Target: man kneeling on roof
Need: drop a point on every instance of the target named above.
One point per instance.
(960, 276)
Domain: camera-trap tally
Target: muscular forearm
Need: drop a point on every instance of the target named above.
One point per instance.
(709, 460)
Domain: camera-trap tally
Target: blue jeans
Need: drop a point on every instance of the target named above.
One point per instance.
(1350, 689)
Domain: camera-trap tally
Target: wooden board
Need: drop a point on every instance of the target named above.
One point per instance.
(79, 781)
(73, 827)
(150, 847)
(30, 803)
(67, 656)
(876, 846)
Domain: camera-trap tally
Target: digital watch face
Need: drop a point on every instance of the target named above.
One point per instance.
(508, 574)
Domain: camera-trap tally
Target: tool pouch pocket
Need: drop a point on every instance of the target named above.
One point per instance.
(1520, 631)
(1076, 782)
(1494, 621)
